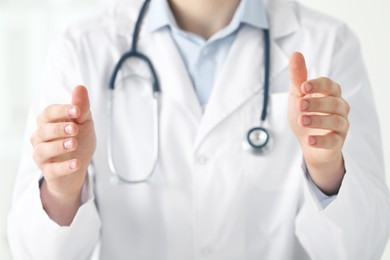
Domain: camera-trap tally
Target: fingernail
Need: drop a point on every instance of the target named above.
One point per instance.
(72, 164)
(69, 129)
(305, 105)
(307, 87)
(68, 144)
(306, 120)
(72, 112)
(312, 140)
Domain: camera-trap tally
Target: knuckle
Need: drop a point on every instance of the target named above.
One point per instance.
(332, 140)
(59, 130)
(347, 107)
(47, 170)
(347, 124)
(43, 115)
(338, 89)
(339, 122)
(41, 131)
(325, 82)
(323, 79)
(317, 121)
(336, 105)
(48, 111)
(59, 148)
(315, 104)
(337, 140)
(329, 141)
(328, 81)
(75, 143)
(55, 170)
(38, 152)
(50, 108)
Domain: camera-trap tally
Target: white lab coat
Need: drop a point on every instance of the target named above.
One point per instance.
(208, 198)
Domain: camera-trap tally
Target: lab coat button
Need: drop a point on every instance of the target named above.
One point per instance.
(206, 251)
(201, 159)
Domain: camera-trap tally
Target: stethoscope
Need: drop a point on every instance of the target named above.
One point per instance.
(257, 139)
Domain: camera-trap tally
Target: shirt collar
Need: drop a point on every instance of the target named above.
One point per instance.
(250, 12)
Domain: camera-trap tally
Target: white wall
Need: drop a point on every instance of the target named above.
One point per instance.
(26, 27)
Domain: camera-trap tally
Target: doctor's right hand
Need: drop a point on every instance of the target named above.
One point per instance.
(64, 142)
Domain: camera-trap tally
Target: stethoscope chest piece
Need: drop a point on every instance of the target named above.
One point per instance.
(257, 140)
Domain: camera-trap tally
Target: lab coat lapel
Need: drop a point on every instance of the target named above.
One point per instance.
(174, 78)
(237, 81)
(242, 75)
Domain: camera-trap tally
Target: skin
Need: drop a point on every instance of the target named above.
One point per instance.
(64, 140)
(203, 17)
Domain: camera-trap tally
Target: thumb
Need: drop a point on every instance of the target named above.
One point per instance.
(297, 73)
(81, 100)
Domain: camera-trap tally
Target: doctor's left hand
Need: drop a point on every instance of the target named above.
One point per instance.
(318, 116)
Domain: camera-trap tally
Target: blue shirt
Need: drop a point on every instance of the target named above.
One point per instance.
(204, 58)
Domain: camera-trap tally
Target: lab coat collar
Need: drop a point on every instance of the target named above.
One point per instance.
(175, 81)
(282, 17)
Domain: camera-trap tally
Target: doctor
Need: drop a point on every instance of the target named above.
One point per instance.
(317, 193)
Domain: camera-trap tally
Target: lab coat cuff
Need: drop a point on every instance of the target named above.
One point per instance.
(53, 240)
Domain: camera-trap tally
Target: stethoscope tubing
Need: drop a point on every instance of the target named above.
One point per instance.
(142, 57)
(133, 53)
(156, 133)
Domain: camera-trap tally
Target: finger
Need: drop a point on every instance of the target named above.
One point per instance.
(80, 99)
(334, 123)
(323, 86)
(327, 104)
(59, 169)
(53, 131)
(56, 113)
(328, 141)
(297, 73)
(47, 132)
(43, 152)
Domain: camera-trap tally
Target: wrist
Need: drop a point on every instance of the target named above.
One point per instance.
(60, 207)
(328, 176)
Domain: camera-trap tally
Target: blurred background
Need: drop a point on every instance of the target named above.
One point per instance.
(28, 26)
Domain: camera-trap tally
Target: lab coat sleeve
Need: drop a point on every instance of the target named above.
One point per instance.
(31, 233)
(355, 225)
